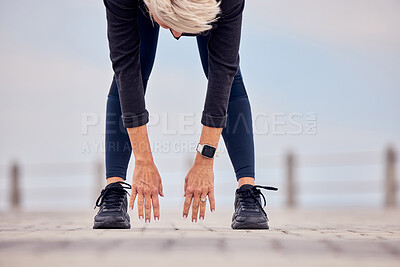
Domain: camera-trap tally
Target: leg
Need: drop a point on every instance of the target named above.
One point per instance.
(118, 146)
(238, 138)
(238, 134)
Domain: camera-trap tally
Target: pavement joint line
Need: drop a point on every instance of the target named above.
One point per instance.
(364, 239)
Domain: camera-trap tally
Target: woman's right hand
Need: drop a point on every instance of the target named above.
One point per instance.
(146, 181)
(146, 185)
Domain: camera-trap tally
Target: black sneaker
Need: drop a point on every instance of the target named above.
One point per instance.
(249, 214)
(113, 204)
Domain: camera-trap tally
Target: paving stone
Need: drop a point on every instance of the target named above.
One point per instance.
(297, 237)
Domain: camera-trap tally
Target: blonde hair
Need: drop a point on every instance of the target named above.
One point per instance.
(189, 16)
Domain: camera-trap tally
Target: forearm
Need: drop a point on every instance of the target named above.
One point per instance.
(124, 44)
(140, 144)
(223, 63)
(209, 136)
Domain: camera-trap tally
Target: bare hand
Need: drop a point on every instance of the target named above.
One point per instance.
(199, 183)
(146, 184)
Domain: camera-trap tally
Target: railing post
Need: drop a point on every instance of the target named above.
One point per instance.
(100, 177)
(390, 179)
(290, 181)
(15, 196)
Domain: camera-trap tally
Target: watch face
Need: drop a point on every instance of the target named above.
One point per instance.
(208, 151)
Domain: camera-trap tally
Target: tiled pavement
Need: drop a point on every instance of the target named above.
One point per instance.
(296, 238)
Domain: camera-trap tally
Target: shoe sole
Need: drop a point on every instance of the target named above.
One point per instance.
(249, 225)
(112, 223)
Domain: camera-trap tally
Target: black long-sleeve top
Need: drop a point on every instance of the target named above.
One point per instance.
(223, 60)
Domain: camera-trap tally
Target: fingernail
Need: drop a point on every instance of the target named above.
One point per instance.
(212, 210)
(156, 218)
(147, 220)
(201, 219)
(141, 218)
(194, 220)
(184, 216)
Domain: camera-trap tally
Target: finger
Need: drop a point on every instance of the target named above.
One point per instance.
(186, 206)
(147, 207)
(184, 188)
(156, 206)
(140, 205)
(203, 205)
(132, 198)
(211, 199)
(161, 192)
(195, 206)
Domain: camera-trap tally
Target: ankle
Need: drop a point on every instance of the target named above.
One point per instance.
(111, 180)
(245, 180)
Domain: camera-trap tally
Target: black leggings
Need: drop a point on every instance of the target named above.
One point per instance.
(238, 134)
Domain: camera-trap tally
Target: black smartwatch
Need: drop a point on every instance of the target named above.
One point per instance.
(207, 150)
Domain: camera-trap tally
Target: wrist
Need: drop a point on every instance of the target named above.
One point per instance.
(140, 144)
(144, 158)
(201, 160)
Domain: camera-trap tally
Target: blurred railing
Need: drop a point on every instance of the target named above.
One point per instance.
(34, 177)
(389, 178)
(293, 163)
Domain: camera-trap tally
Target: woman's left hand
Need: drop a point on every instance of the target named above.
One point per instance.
(199, 183)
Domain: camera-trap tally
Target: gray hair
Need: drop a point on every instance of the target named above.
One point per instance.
(189, 16)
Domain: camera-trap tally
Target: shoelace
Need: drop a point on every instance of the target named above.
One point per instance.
(111, 196)
(248, 196)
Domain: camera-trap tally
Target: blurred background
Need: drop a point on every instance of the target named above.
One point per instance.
(323, 78)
